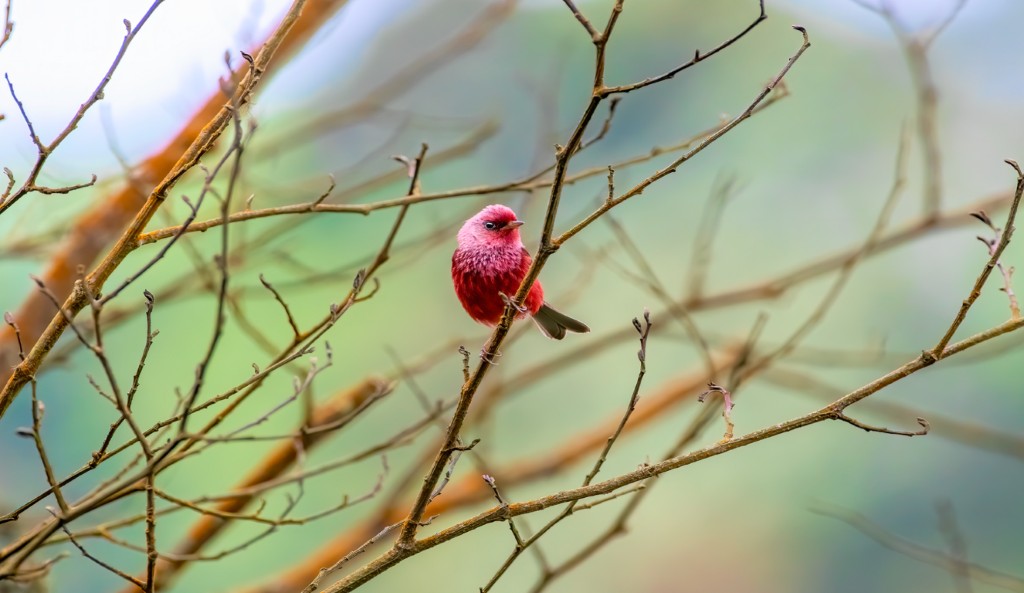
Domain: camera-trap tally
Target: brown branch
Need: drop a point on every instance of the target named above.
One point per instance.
(707, 141)
(284, 305)
(639, 492)
(563, 155)
(397, 554)
(8, 27)
(414, 168)
(520, 542)
(95, 229)
(521, 545)
(315, 583)
(583, 20)
(38, 409)
(470, 490)
(45, 150)
(1004, 271)
(944, 427)
(272, 465)
(698, 57)
(222, 259)
(765, 289)
(925, 427)
(530, 183)
(109, 567)
(1004, 239)
(151, 552)
(87, 290)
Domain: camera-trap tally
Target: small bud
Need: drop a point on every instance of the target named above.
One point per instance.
(983, 217)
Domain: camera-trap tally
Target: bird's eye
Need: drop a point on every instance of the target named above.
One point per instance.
(490, 225)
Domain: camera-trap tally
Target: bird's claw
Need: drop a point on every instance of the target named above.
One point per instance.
(510, 303)
(488, 357)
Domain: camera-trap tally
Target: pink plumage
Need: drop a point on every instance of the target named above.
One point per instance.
(491, 260)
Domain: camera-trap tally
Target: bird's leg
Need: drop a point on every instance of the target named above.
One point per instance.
(510, 303)
(490, 358)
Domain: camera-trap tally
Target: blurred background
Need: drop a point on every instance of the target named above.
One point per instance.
(807, 177)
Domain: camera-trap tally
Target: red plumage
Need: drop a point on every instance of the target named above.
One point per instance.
(491, 260)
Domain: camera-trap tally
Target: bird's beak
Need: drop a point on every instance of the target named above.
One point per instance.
(514, 224)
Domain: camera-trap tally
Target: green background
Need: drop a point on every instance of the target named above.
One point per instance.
(812, 172)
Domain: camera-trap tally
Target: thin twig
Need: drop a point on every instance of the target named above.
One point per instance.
(644, 330)
(45, 150)
(1004, 239)
(396, 555)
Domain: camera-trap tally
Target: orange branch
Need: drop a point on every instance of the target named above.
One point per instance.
(102, 225)
(274, 464)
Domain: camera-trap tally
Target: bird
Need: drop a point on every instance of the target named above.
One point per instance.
(488, 266)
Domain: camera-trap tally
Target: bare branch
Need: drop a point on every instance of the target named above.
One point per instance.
(925, 427)
(29, 185)
(1004, 239)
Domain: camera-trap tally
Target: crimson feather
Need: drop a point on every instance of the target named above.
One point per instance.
(490, 261)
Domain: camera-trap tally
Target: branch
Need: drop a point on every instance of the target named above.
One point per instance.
(8, 27)
(671, 167)
(44, 151)
(698, 57)
(397, 554)
(201, 144)
(93, 231)
(644, 330)
(1004, 239)
(925, 427)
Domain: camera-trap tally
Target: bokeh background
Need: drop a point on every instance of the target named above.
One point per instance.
(811, 174)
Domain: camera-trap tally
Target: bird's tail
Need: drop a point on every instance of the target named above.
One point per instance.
(554, 323)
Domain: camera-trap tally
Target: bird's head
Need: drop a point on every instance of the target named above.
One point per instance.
(494, 225)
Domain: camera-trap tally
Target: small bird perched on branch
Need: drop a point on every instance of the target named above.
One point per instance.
(491, 262)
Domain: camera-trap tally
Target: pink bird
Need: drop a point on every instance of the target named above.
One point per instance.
(491, 261)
